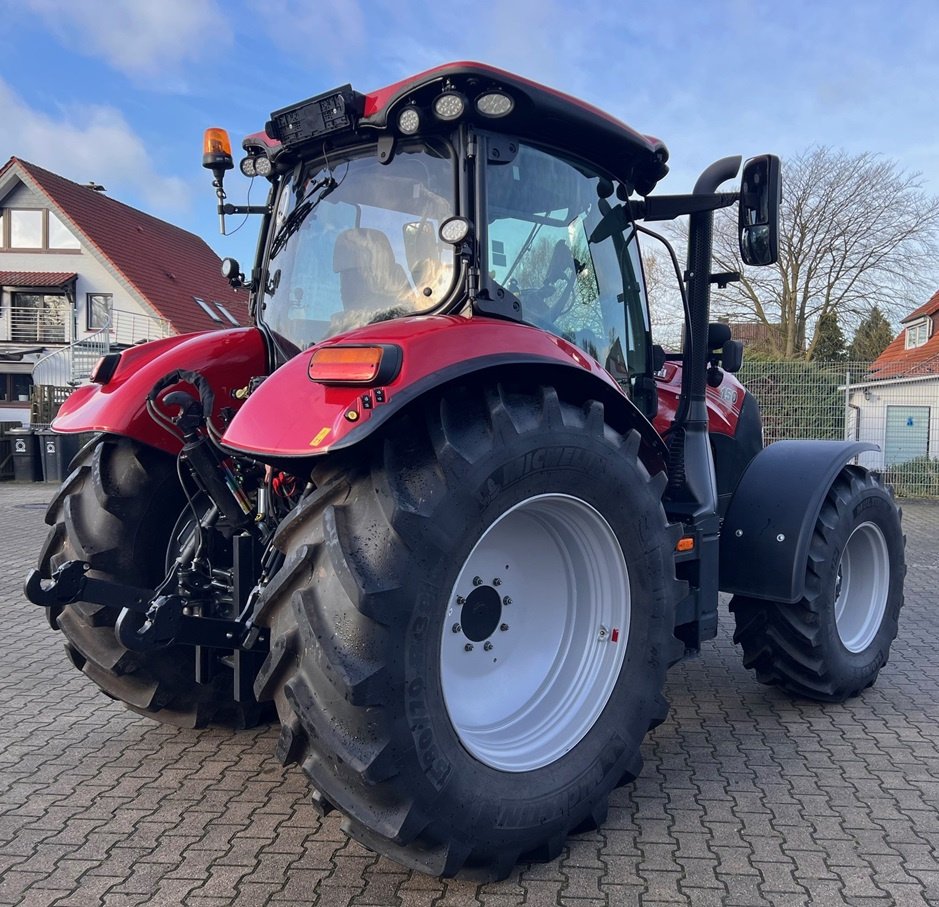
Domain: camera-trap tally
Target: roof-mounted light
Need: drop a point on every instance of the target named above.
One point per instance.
(247, 166)
(495, 104)
(216, 150)
(450, 105)
(409, 121)
(262, 165)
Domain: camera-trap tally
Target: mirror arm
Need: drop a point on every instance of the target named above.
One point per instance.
(668, 207)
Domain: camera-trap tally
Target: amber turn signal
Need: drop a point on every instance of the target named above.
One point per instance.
(685, 544)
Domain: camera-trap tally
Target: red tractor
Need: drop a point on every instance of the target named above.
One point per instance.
(447, 505)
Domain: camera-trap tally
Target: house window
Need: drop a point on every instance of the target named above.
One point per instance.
(917, 333)
(15, 388)
(208, 309)
(227, 314)
(59, 235)
(98, 310)
(34, 230)
(25, 229)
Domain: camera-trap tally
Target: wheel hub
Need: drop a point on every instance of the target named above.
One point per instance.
(481, 614)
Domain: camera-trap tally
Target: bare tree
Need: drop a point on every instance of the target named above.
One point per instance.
(856, 232)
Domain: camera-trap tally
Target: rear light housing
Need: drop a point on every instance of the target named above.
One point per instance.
(104, 369)
(374, 364)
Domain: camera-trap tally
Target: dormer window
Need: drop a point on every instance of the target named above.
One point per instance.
(917, 333)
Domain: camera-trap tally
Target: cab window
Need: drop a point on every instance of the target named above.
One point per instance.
(541, 211)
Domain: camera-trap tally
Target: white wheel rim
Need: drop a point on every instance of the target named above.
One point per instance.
(861, 586)
(535, 634)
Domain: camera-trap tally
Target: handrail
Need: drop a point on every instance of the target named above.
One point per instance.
(58, 368)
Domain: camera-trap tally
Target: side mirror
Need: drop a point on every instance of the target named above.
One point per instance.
(758, 219)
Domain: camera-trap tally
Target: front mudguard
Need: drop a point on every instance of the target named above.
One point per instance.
(227, 360)
(764, 543)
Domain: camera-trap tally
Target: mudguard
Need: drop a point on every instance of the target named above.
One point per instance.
(291, 416)
(226, 359)
(764, 544)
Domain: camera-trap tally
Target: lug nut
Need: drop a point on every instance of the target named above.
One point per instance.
(497, 582)
(460, 600)
(468, 647)
(488, 646)
(506, 601)
(504, 627)
(477, 580)
(456, 628)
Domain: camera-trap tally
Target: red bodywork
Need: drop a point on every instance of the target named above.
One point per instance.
(724, 402)
(290, 415)
(226, 359)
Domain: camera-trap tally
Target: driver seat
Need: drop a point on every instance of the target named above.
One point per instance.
(369, 275)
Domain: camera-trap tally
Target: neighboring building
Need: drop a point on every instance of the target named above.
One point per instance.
(757, 336)
(896, 404)
(81, 273)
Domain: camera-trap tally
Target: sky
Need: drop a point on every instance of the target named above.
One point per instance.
(120, 91)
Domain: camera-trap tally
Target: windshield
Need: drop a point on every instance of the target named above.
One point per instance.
(355, 241)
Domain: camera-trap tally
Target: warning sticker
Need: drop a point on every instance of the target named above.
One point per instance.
(320, 437)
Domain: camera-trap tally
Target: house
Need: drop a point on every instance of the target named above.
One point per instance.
(82, 274)
(896, 404)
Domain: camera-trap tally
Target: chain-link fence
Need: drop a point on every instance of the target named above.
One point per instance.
(840, 400)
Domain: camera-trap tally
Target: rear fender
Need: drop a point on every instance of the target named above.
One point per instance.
(764, 544)
(226, 359)
(291, 417)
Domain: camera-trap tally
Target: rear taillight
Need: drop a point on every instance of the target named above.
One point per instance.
(377, 364)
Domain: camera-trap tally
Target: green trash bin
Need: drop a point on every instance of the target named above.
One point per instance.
(57, 452)
(27, 458)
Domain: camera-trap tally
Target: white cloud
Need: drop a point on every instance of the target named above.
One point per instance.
(87, 143)
(143, 39)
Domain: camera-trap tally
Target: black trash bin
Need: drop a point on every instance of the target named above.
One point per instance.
(57, 452)
(27, 459)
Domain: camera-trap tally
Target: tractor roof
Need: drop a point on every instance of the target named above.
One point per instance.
(539, 114)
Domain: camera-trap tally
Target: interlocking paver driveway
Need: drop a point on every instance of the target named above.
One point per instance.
(747, 798)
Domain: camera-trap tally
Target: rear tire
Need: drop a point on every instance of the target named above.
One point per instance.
(832, 644)
(429, 748)
(119, 510)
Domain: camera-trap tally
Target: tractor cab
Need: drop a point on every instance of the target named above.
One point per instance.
(447, 194)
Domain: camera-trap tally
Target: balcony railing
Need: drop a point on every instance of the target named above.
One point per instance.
(32, 324)
(132, 327)
(54, 325)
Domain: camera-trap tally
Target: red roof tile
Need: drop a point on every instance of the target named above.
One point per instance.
(896, 361)
(35, 278)
(927, 308)
(165, 264)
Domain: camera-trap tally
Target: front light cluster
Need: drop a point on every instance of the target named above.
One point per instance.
(256, 165)
(450, 105)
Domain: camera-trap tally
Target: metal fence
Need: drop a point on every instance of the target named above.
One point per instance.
(837, 400)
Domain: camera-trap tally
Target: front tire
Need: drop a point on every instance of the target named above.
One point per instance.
(832, 644)
(450, 743)
(120, 510)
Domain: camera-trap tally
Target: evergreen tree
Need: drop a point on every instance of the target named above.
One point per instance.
(871, 338)
(828, 344)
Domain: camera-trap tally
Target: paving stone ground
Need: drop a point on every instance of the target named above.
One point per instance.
(747, 798)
